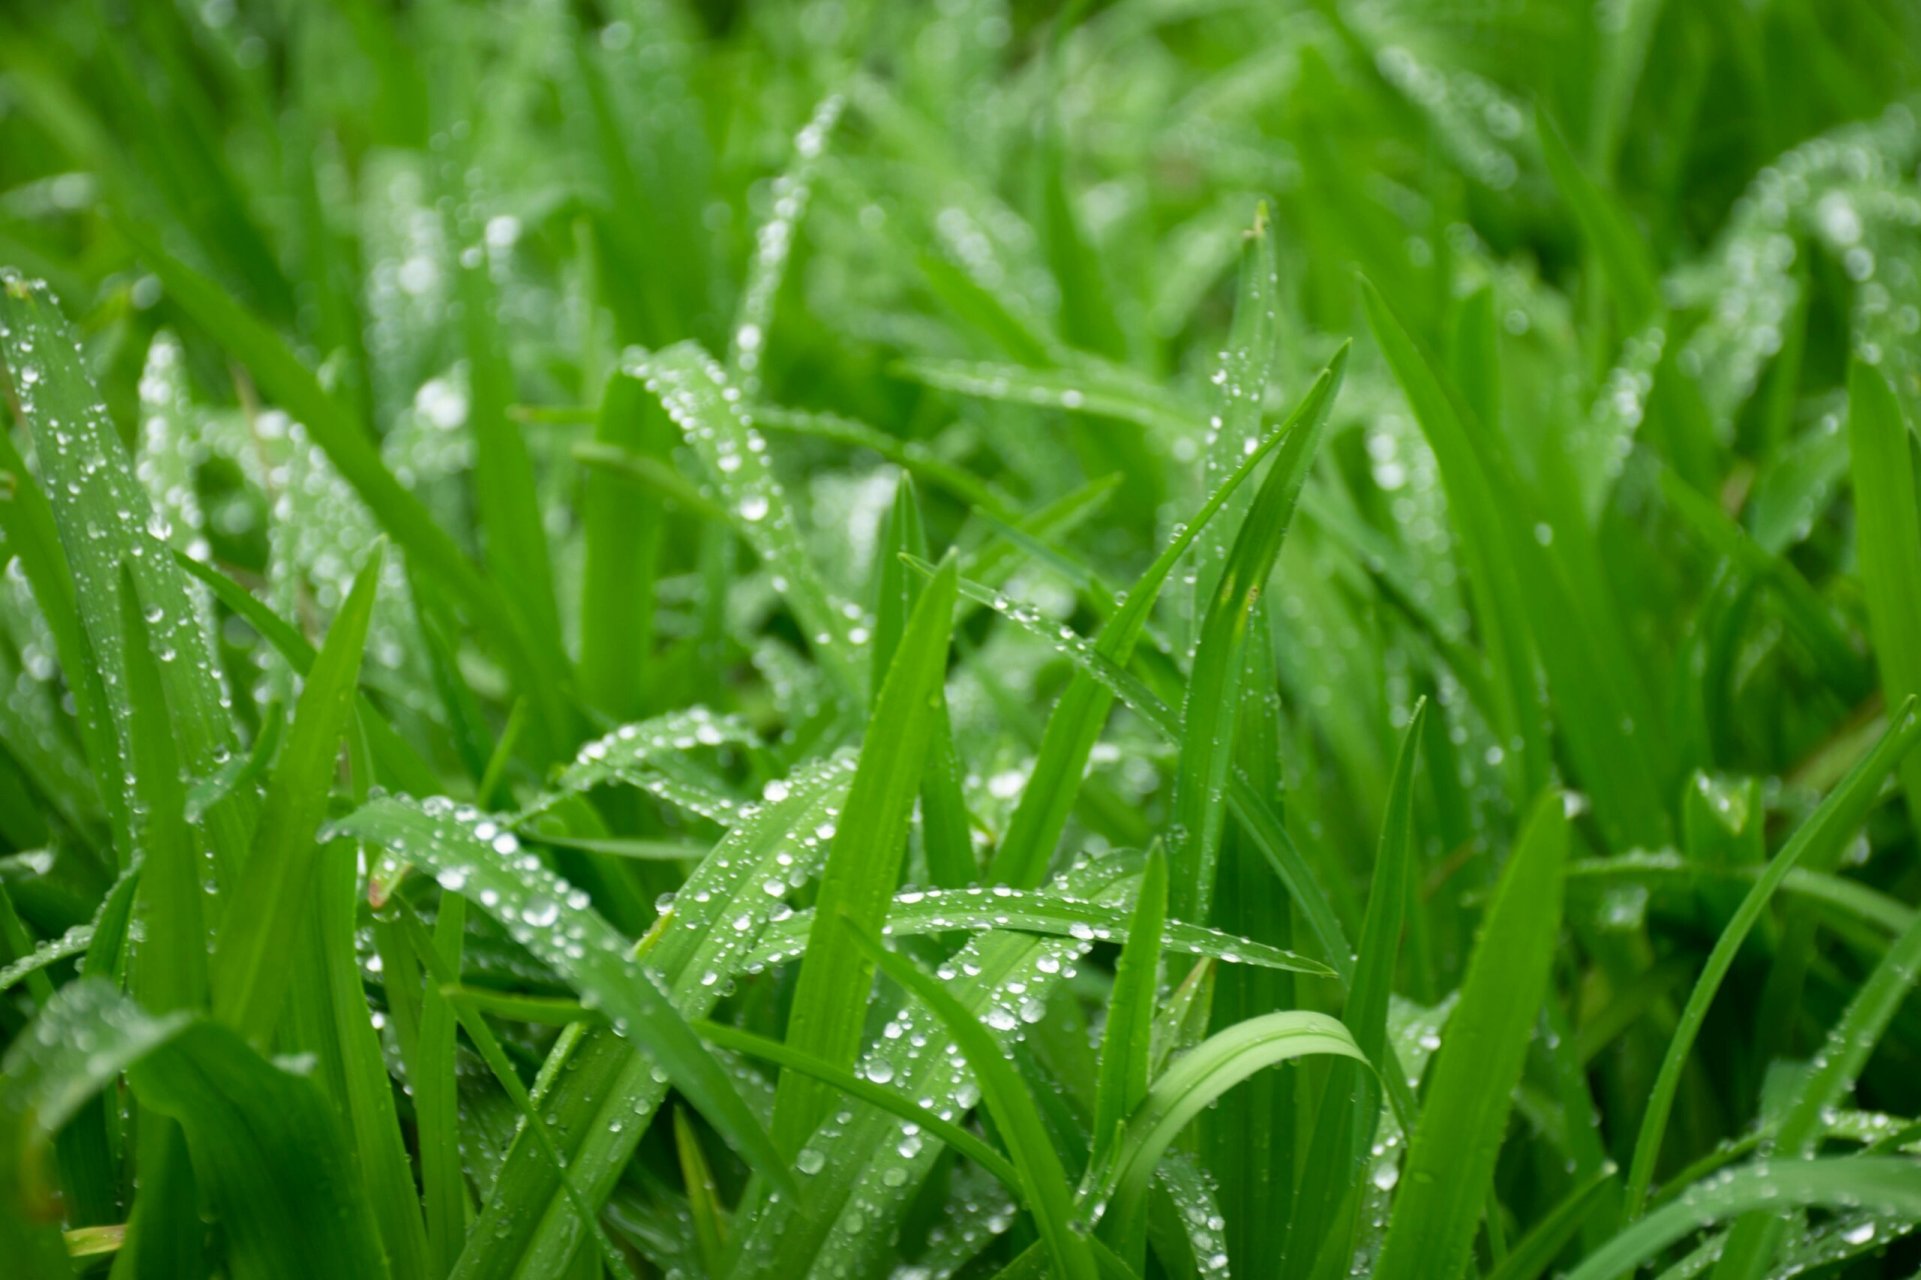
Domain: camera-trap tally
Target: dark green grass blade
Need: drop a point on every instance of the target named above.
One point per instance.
(1048, 1196)
(863, 865)
(1888, 543)
(249, 969)
(1208, 715)
(270, 1156)
(1350, 1103)
(1452, 1150)
(1837, 818)
(1075, 724)
(549, 917)
(621, 540)
(1127, 1042)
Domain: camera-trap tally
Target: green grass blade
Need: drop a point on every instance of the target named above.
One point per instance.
(854, 1086)
(621, 545)
(706, 407)
(1075, 724)
(1452, 1151)
(470, 854)
(1040, 911)
(1214, 683)
(1840, 813)
(268, 1153)
(1888, 542)
(249, 970)
(1350, 1105)
(863, 866)
(1181, 1092)
(1885, 1184)
(1048, 1196)
(1127, 1042)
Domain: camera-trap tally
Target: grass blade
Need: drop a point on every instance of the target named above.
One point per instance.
(1044, 1181)
(1888, 543)
(1451, 1153)
(863, 866)
(1840, 813)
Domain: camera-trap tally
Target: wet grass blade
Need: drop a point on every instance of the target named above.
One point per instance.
(1127, 1042)
(468, 852)
(248, 969)
(1215, 680)
(1885, 1184)
(863, 864)
(706, 407)
(1047, 1193)
(1837, 818)
(1452, 1150)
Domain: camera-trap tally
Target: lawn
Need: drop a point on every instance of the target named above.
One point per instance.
(855, 638)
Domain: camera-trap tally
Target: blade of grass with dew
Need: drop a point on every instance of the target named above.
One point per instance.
(1127, 1042)
(1246, 367)
(347, 445)
(866, 1090)
(706, 407)
(1047, 1195)
(946, 829)
(1838, 816)
(464, 850)
(1888, 542)
(870, 1168)
(604, 1097)
(1076, 722)
(974, 909)
(1349, 1109)
(1085, 387)
(400, 764)
(1253, 811)
(863, 865)
(88, 483)
(33, 539)
(1887, 1184)
(1455, 1142)
(248, 969)
(1754, 1241)
(1215, 680)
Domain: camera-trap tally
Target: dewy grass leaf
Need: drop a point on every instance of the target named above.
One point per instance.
(1840, 813)
(708, 410)
(466, 851)
(1451, 1153)
(250, 973)
(1077, 719)
(1214, 683)
(1048, 1196)
(1127, 1042)
(863, 864)
(974, 909)
(106, 526)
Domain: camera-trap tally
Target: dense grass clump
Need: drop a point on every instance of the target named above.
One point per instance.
(843, 639)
